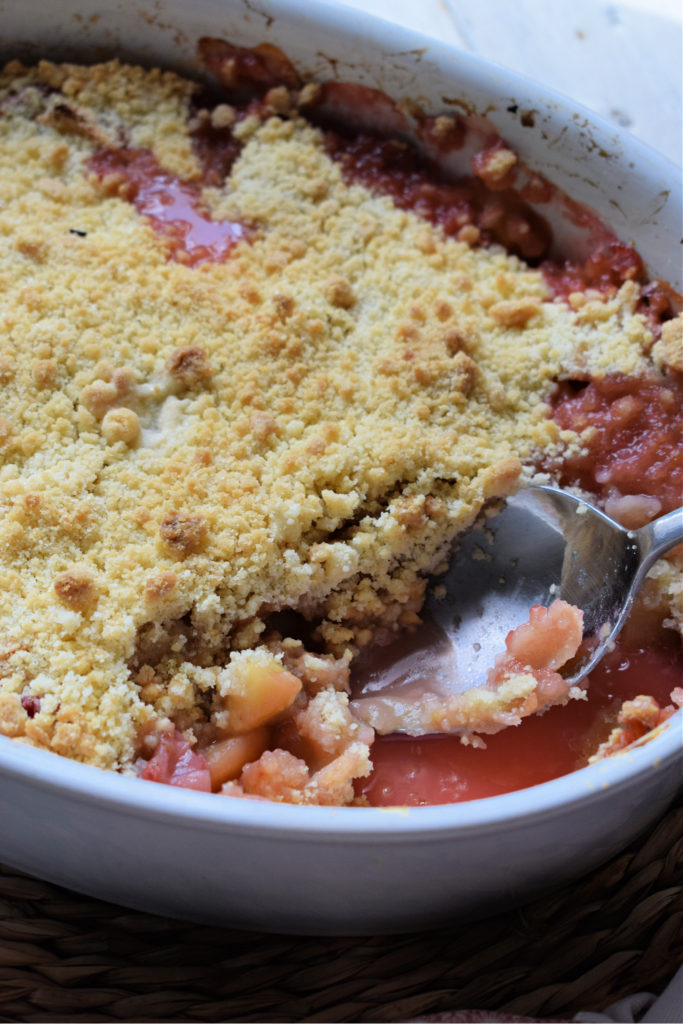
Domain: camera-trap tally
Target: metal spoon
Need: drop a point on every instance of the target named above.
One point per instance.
(545, 544)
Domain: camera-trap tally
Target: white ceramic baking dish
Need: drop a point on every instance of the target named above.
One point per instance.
(345, 870)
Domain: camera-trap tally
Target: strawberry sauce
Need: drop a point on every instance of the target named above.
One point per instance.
(172, 207)
(440, 769)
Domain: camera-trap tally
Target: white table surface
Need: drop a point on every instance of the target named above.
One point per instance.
(621, 58)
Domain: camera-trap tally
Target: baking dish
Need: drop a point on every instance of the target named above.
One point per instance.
(345, 870)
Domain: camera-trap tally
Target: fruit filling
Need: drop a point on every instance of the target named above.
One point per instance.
(631, 453)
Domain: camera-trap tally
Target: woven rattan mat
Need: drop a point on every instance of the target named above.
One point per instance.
(65, 957)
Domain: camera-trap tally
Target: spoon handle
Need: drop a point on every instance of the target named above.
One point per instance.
(658, 537)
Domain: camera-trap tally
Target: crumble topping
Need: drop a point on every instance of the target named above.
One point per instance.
(188, 450)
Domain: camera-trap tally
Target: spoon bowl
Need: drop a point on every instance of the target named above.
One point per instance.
(543, 545)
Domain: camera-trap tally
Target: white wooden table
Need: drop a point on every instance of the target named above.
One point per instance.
(621, 58)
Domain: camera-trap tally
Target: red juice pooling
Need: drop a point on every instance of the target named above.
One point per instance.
(440, 769)
(172, 207)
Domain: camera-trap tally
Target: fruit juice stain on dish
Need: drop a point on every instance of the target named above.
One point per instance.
(441, 769)
(172, 207)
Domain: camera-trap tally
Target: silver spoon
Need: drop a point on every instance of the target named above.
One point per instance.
(547, 544)
(544, 544)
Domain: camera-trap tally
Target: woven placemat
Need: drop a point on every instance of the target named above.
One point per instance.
(65, 957)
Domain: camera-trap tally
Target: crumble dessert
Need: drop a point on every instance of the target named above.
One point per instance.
(255, 376)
